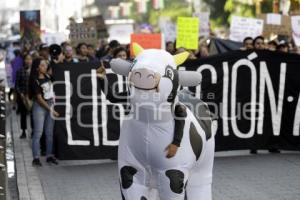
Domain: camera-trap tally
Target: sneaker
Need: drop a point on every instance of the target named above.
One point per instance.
(52, 160)
(36, 162)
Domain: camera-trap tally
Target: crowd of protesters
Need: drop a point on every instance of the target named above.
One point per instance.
(31, 86)
(259, 43)
(32, 81)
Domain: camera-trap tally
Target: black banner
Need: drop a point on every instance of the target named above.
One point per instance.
(254, 95)
(86, 128)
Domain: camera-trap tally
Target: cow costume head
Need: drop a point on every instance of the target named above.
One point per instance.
(153, 75)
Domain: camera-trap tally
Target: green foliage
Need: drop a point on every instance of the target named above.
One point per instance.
(173, 11)
(221, 11)
(236, 8)
(267, 6)
(218, 14)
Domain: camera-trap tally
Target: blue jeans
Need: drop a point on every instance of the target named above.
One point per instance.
(42, 121)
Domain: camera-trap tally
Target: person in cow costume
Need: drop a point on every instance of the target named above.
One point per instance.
(152, 154)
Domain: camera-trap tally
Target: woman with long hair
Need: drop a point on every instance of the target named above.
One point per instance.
(41, 92)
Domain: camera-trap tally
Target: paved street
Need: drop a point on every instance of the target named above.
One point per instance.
(237, 176)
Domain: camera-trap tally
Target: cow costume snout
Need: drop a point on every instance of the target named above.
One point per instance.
(144, 79)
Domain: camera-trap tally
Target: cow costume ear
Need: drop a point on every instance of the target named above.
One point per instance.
(181, 57)
(137, 49)
(120, 66)
(189, 78)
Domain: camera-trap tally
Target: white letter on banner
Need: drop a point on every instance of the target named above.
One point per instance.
(68, 114)
(296, 128)
(243, 62)
(95, 108)
(276, 111)
(213, 77)
(225, 99)
(104, 103)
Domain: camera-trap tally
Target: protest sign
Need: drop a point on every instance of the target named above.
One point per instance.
(30, 27)
(147, 41)
(120, 32)
(187, 32)
(204, 25)
(242, 27)
(273, 18)
(83, 32)
(53, 38)
(275, 24)
(296, 29)
(99, 23)
(168, 28)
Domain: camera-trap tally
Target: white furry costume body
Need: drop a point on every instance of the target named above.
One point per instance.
(149, 129)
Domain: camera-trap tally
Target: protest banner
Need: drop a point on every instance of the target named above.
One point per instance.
(255, 97)
(187, 32)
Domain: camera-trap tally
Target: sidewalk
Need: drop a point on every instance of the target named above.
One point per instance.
(237, 176)
(68, 180)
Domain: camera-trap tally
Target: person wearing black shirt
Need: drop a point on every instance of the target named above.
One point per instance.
(22, 78)
(41, 92)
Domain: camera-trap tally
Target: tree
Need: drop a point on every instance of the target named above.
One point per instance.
(218, 14)
(239, 8)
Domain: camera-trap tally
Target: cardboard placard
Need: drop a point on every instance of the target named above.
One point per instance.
(83, 32)
(168, 28)
(204, 24)
(30, 27)
(147, 41)
(99, 25)
(187, 32)
(120, 32)
(242, 27)
(296, 29)
(284, 28)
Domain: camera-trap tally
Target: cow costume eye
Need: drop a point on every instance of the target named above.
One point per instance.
(138, 73)
(150, 76)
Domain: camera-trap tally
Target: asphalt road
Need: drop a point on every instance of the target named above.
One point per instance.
(239, 177)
